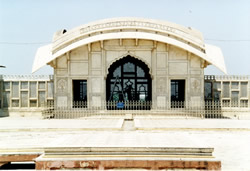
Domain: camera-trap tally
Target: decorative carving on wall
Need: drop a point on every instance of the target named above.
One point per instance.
(195, 86)
(143, 24)
(161, 85)
(61, 85)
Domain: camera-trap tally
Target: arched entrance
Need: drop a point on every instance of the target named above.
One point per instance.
(129, 81)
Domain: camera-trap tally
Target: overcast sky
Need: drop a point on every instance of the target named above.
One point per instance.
(26, 25)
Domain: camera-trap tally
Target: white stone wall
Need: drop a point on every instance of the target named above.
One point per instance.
(91, 62)
(25, 95)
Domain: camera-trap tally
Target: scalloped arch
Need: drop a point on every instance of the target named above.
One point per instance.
(132, 55)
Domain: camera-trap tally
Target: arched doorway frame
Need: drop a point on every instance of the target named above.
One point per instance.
(132, 55)
(129, 80)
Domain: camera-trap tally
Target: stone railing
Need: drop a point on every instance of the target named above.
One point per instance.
(227, 77)
(26, 77)
(232, 77)
(187, 109)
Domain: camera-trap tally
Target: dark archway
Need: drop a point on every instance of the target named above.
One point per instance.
(129, 81)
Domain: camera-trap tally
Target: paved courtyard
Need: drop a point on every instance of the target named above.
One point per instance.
(229, 138)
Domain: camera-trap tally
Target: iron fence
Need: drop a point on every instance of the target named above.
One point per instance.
(187, 109)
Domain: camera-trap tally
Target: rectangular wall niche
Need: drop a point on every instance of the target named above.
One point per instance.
(178, 68)
(226, 90)
(79, 68)
(33, 92)
(243, 87)
(15, 89)
(24, 99)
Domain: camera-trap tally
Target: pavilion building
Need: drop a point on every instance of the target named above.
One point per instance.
(126, 62)
(128, 59)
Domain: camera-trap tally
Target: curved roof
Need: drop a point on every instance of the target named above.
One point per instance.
(124, 28)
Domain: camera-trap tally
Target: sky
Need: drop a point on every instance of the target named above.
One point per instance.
(25, 25)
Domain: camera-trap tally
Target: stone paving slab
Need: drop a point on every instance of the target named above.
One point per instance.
(126, 139)
(34, 124)
(191, 124)
(232, 148)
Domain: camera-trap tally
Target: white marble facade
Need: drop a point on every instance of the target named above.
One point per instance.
(171, 52)
(166, 63)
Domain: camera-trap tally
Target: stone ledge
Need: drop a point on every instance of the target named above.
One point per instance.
(6, 158)
(127, 151)
(129, 164)
(127, 158)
